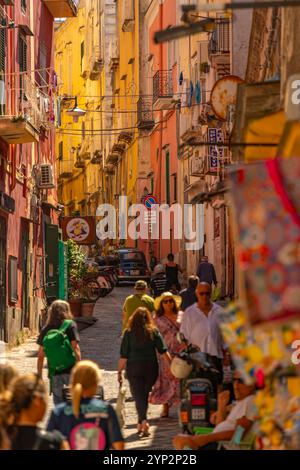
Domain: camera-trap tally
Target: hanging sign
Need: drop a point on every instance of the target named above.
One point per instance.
(215, 153)
(80, 229)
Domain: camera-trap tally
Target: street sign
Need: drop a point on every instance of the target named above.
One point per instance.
(215, 155)
(149, 202)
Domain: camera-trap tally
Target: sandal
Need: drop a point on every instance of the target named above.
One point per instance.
(145, 430)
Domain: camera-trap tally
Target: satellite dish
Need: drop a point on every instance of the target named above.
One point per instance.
(224, 94)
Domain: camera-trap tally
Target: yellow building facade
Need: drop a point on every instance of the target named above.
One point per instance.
(82, 44)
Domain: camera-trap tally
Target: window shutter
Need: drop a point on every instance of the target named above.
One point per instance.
(3, 42)
(22, 54)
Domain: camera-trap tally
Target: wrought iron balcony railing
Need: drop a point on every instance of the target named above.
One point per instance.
(220, 39)
(145, 114)
(162, 85)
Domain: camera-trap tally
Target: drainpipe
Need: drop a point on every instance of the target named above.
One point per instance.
(161, 124)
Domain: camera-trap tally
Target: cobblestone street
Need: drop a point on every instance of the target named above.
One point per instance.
(101, 343)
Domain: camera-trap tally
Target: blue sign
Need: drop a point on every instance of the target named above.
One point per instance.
(150, 201)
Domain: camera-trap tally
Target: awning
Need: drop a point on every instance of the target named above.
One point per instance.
(255, 101)
(266, 130)
(289, 145)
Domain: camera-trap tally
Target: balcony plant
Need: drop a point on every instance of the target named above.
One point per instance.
(19, 118)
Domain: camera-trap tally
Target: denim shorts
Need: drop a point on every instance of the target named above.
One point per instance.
(57, 384)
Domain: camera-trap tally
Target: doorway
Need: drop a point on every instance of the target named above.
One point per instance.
(2, 277)
(26, 276)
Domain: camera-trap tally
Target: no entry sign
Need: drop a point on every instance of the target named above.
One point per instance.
(149, 202)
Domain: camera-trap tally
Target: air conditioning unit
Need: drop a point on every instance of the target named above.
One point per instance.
(45, 178)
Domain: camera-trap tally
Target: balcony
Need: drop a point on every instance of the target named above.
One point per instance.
(115, 153)
(114, 55)
(62, 8)
(21, 119)
(65, 168)
(145, 114)
(192, 136)
(128, 16)
(126, 137)
(96, 63)
(109, 169)
(85, 151)
(97, 157)
(219, 48)
(80, 163)
(163, 90)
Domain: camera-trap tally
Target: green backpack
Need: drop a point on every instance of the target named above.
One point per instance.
(58, 349)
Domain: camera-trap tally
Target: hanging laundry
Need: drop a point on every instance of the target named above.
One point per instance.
(181, 78)
(190, 95)
(198, 92)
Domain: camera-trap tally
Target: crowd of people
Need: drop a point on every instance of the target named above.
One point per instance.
(151, 323)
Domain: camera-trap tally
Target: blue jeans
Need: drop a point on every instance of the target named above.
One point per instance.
(58, 382)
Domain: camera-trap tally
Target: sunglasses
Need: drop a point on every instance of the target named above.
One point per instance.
(240, 381)
(167, 301)
(208, 294)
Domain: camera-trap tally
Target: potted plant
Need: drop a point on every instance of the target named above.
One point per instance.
(87, 309)
(76, 272)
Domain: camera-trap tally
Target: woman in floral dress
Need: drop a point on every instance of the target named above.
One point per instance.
(166, 390)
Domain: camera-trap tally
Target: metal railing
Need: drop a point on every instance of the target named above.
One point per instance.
(24, 100)
(162, 85)
(220, 38)
(144, 112)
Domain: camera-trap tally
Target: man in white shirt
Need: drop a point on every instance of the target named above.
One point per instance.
(200, 325)
(227, 419)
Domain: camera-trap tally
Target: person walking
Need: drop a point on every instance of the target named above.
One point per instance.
(206, 272)
(23, 408)
(158, 283)
(166, 390)
(59, 343)
(188, 295)
(87, 422)
(172, 269)
(140, 298)
(200, 326)
(141, 342)
(153, 263)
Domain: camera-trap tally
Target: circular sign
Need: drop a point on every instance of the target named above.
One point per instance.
(150, 201)
(78, 230)
(224, 94)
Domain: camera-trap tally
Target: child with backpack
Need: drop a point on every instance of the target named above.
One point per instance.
(87, 422)
(59, 343)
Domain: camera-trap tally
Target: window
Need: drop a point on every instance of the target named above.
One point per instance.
(22, 54)
(175, 187)
(13, 279)
(81, 55)
(60, 150)
(43, 65)
(22, 63)
(3, 47)
(168, 177)
(152, 185)
(23, 5)
(83, 130)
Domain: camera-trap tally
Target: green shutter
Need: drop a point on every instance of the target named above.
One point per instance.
(52, 260)
(167, 177)
(62, 271)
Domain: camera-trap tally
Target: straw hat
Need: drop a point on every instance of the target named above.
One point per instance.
(166, 295)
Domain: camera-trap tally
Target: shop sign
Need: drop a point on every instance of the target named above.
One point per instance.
(215, 153)
(81, 230)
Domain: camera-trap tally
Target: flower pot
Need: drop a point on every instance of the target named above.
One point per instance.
(87, 309)
(75, 306)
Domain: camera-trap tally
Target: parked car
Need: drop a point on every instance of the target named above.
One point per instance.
(133, 266)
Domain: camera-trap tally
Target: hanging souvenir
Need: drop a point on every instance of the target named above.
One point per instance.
(266, 200)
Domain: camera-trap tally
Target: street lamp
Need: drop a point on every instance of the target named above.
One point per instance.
(76, 112)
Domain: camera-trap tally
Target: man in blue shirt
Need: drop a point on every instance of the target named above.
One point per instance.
(206, 272)
(188, 295)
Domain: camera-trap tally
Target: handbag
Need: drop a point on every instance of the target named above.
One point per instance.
(120, 406)
(266, 198)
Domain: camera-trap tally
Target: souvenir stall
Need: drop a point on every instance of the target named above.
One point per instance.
(263, 329)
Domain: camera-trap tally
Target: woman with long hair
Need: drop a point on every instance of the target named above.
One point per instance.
(59, 319)
(23, 406)
(140, 344)
(7, 373)
(87, 422)
(166, 390)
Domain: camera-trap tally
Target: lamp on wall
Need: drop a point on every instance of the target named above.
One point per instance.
(76, 112)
